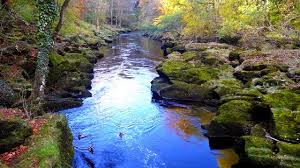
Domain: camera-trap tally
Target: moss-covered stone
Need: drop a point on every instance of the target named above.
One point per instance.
(224, 87)
(189, 55)
(186, 72)
(258, 131)
(7, 95)
(13, 133)
(182, 91)
(282, 99)
(56, 59)
(289, 155)
(259, 152)
(79, 61)
(274, 80)
(287, 124)
(233, 119)
(52, 147)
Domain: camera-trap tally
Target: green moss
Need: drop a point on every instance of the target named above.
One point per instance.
(233, 119)
(289, 154)
(258, 131)
(78, 61)
(236, 111)
(184, 91)
(228, 86)
(24, 8)
(282, 99)
(287, 123)
(189, 55)
(259, 151)
(56, 59)
(173, 68)
(52, 147)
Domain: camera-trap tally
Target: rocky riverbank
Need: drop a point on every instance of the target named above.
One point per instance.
(36, 137)
(256, 92)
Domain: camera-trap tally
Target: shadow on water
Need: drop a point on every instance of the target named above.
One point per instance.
(121, 127)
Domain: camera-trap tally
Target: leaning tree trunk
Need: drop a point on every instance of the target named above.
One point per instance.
(61, 16)
(41, 73)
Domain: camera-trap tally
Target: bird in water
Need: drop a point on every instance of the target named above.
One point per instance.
(91, 149)
(81, 136)
(121, 135)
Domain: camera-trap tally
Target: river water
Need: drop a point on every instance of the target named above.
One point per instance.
(120, 126)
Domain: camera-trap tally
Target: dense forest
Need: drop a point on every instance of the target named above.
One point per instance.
(239, 57)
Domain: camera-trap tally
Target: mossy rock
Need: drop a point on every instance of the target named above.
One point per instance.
(73, 79)
(13, 133)
(250, 95)
(90, 55)
(80, 61)
(283, 99)
(259, 152)
(190, 55)
(182, 91)
(287, 124)
(258, 131)
(52, 147)
(205, 46)
(275, 80)
(7, 95)
(216, 56)
(187, 72)
(289, 155)
(56, 59)
(224, 87)
(233, 119)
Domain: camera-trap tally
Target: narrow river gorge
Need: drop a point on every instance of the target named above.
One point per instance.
(121, 126)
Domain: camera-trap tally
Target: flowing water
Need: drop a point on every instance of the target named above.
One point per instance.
(121, 127)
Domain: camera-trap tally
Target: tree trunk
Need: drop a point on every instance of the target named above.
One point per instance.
(112, 12)
(61, 16)
(40, 76)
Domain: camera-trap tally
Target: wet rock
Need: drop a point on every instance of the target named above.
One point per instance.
(12, 134)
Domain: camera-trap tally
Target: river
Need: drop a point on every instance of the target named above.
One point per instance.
(120, 126)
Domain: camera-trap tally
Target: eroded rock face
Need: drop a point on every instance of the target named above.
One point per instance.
(13, 133)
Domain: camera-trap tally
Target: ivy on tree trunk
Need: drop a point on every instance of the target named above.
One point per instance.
(46, 14)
